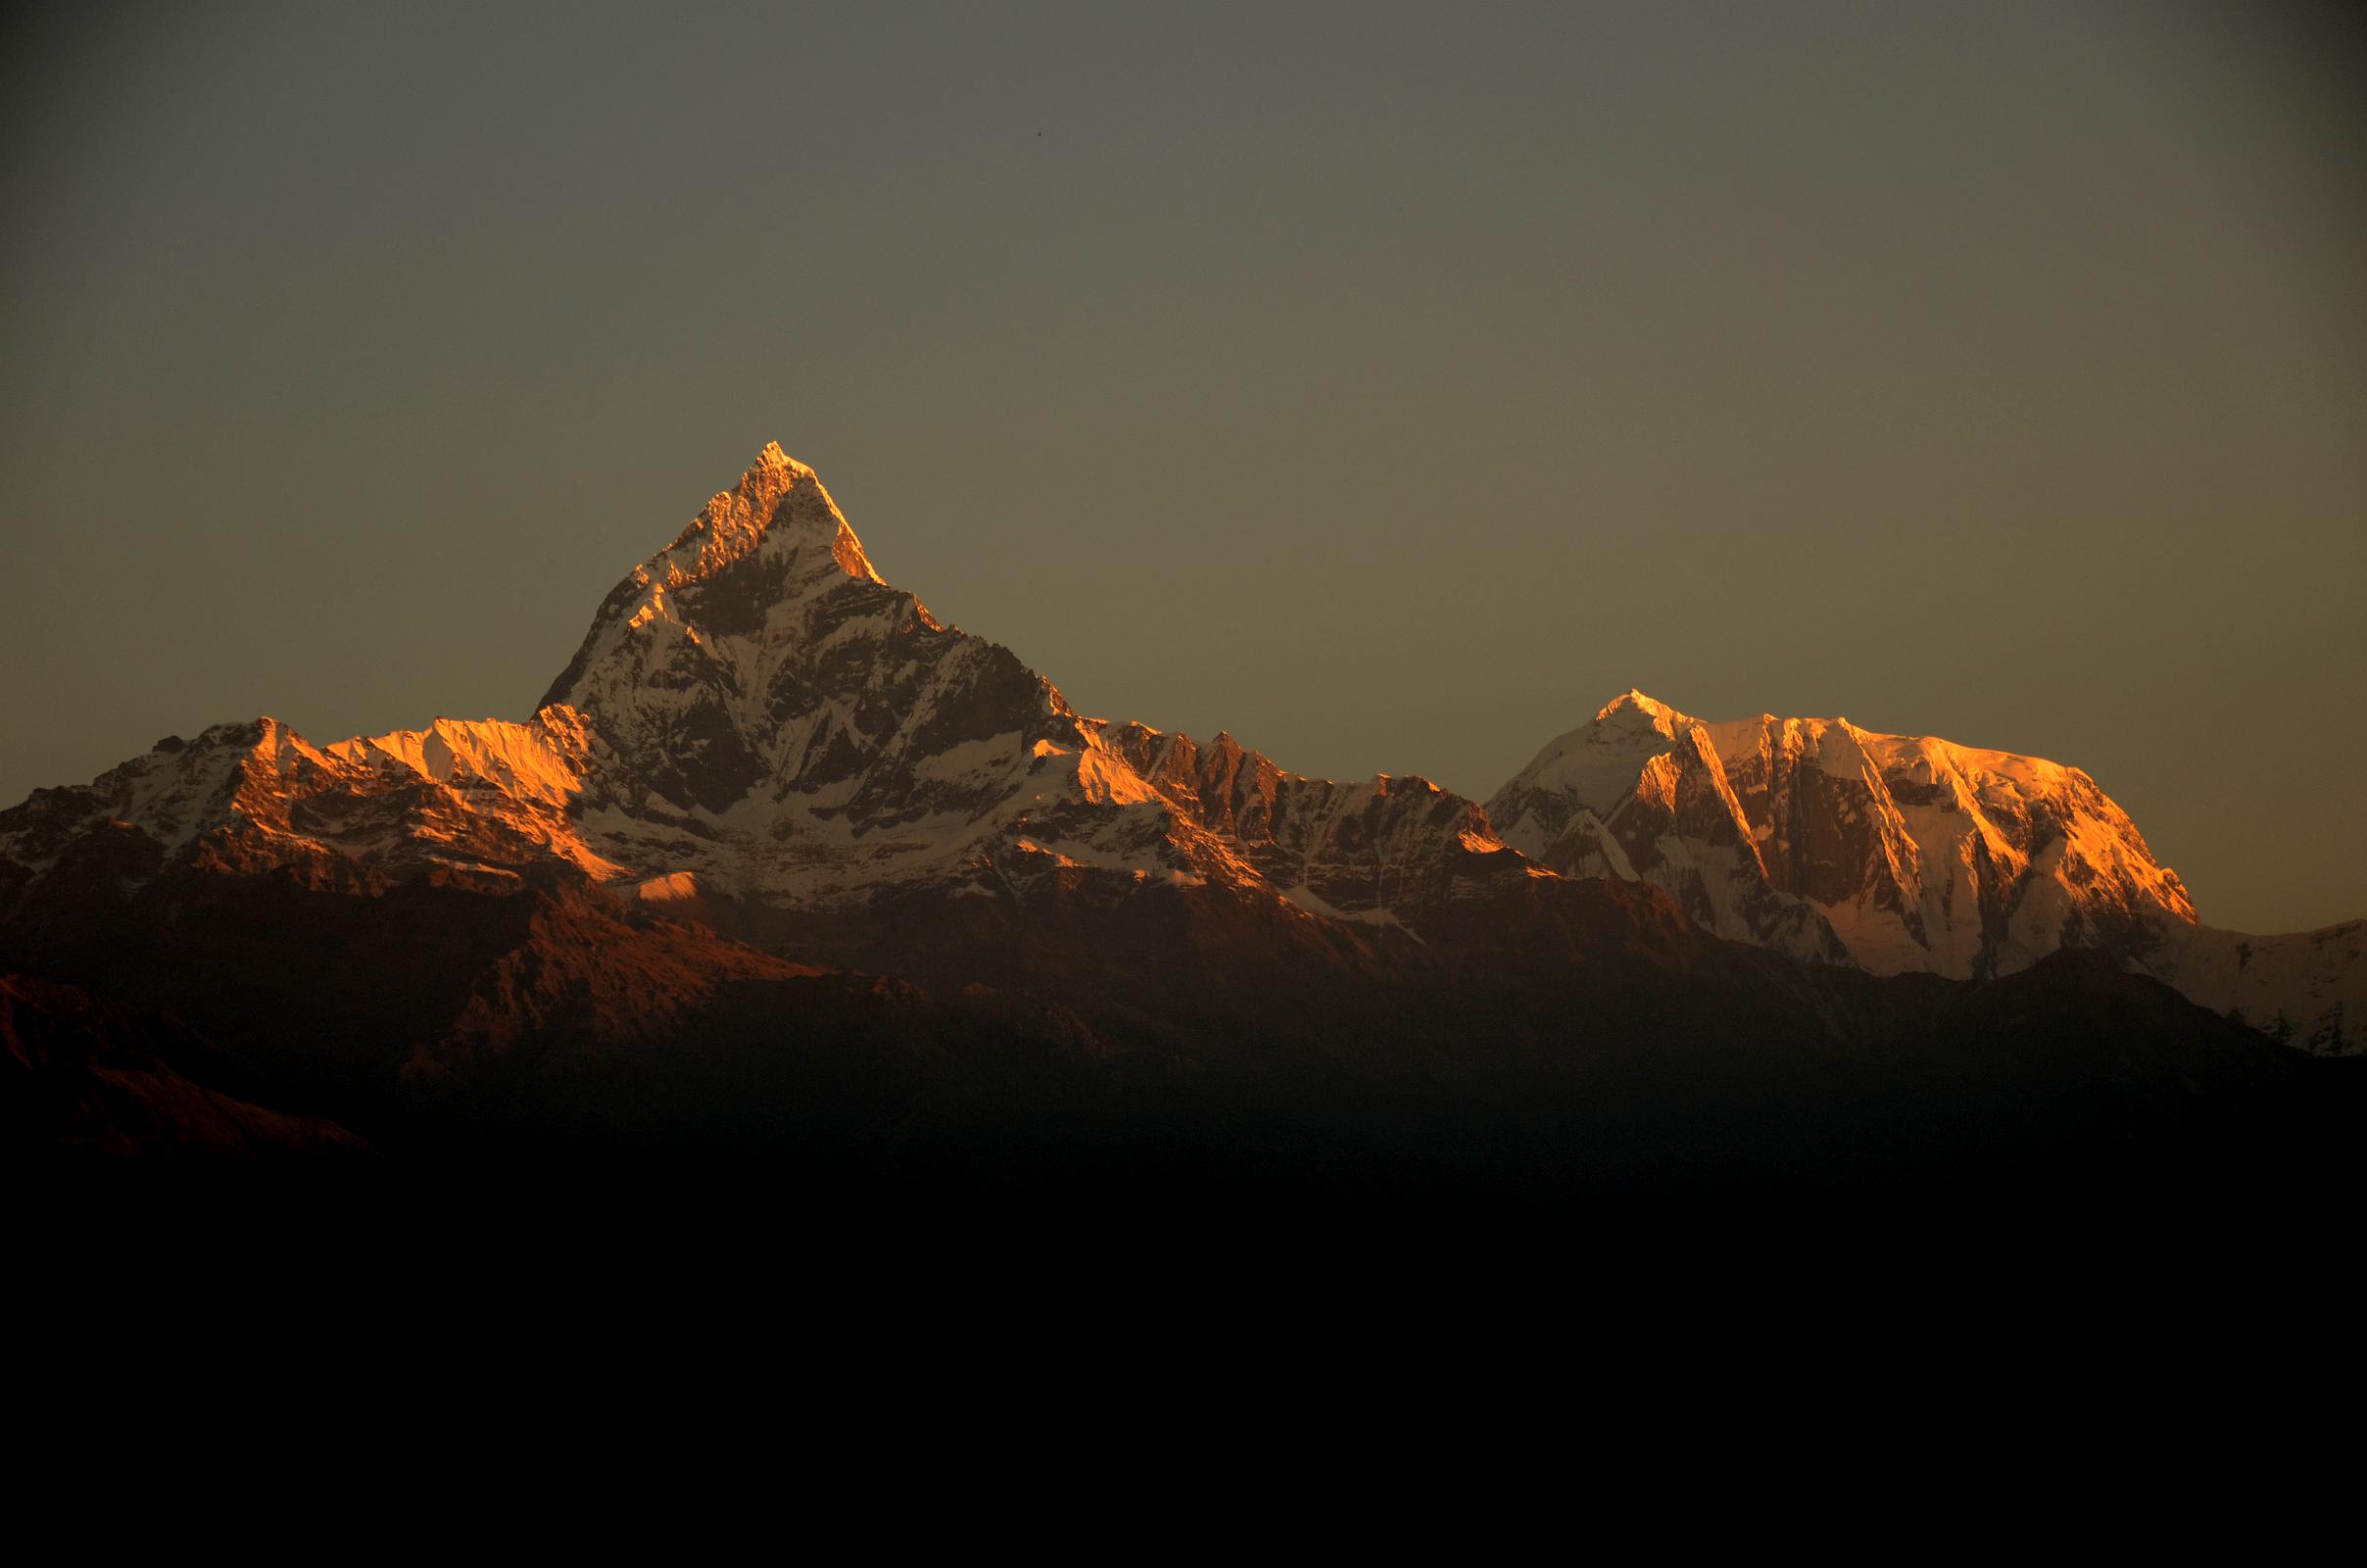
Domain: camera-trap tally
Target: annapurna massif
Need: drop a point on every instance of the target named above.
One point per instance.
(757, 721)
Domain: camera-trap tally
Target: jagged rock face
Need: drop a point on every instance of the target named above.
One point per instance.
(1925, 853)
(755, 715)
(1915, 854)
(488, 800)
(1378, 852)
(1897, 853)
(760, 654)
(785, 726)
(1642, 797)
(778, 722)
(756, 721)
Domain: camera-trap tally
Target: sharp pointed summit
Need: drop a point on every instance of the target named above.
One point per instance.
(771, 456)
(774, 537)
(779, 502)
(1634, 702)
(754, 712)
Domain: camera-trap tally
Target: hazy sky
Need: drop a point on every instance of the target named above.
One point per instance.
(1389, 386)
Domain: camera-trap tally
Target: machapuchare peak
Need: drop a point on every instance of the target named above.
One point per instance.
(1635, 702)
(773, 457)
(778, 499)
(755, 714)
(773, 538)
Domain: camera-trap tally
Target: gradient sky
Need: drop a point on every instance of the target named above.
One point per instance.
(1389, 386)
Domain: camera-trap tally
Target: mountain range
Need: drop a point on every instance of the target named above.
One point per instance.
(784, 862)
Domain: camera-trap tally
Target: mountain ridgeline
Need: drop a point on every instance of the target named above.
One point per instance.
(784, 868)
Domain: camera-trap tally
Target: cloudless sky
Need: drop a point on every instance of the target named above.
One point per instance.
(1389, 385)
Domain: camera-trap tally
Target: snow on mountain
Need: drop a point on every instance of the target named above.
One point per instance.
(1900, 854)
(2305, 988)
(479, 800)
(1371, 852)
(755, 714)
(1640, 794)
(755, 717)
(781, 723)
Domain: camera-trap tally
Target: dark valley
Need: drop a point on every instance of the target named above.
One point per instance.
(788, 881)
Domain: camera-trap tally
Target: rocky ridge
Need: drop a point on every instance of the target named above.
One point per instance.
(1904, 854)
(757, 720)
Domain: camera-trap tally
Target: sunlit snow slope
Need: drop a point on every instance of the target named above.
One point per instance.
(755, 716)
(1902, 853)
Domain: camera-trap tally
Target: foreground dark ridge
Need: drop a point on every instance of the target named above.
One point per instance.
(787, 870)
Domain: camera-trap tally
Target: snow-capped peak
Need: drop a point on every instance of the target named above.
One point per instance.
(771, 541)
(755, 713)
(1633, 705)
(773, 457)
(1596, 763)
(778, 500)
(1918, 854)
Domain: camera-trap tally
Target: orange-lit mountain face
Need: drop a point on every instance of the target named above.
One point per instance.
(1900, 853)
(761, 733)
(755, 717)
(1904, 854)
